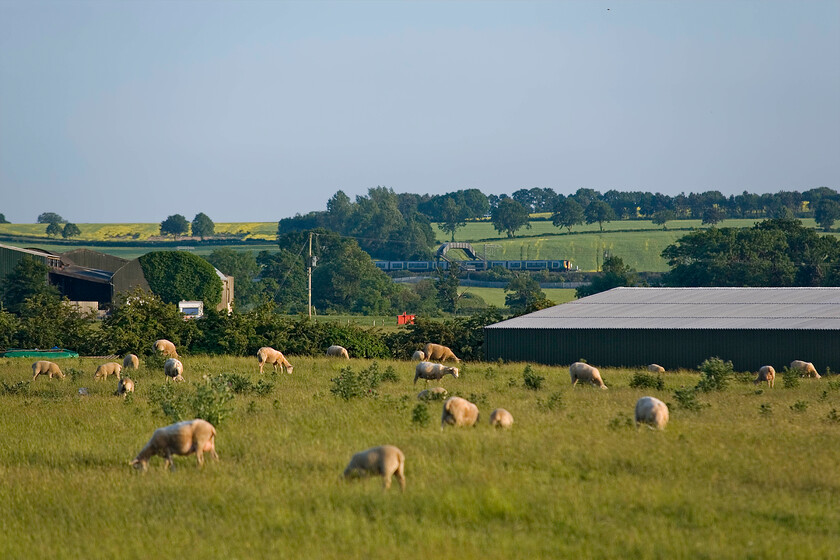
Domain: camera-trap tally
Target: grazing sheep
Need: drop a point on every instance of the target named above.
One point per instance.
(131, 361)
(501, 418)
(174, 368)
(418, 356)
(104, 370)
(385, 460)
(586, 373)
(430, 394)
(651, 411)
(806, 369)
(656, 368)
(768, 374)
(166, 348)
(338, 352)
(268, 355)
(43, 367)
(183, 438)
(438, 353)
(125, 385)
(458, 412)
(428, 370)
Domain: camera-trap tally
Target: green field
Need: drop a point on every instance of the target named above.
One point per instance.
(751, 475)
(496, 296)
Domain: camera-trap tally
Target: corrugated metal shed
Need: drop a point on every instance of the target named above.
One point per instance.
(678, 327)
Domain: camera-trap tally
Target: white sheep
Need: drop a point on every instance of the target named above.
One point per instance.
(651, 411)
(106, 369)
(501, 418)
(385, 460)
(173, 368)
(656, 368)
(438, 353)
(768, 374)
(131, 361)
(806, 369)
(268, 355)
(166, 348)
(43, 367)
(418, 356)
(338, 352)
(429, 371)
(586, 373)
(184, 438)
(433, 393)
(124, 387)
(458, 412)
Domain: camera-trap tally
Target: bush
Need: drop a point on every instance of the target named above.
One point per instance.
(620, 421)
(554, 402)
(799, 406)
(790, 377)
(263, 387)
(531, 380)
(716, 375)
(178, 275)
(19, 388)
(172, 402)
(349, 384)
(642, 380)
(420, 415)
(430, 396)
(213, 400)
(766, 409)
(238, 383)
(686, 398)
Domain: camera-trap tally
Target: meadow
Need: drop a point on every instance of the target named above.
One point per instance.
(751, 474)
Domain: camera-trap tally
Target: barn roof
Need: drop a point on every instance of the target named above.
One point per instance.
(691, 308)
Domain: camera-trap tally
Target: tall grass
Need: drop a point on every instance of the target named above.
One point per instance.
(722, 482)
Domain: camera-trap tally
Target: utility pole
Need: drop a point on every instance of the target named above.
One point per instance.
(309, 273)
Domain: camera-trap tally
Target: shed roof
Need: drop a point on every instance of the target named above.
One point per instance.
(691, 308)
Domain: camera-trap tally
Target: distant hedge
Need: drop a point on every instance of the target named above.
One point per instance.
(178, 275)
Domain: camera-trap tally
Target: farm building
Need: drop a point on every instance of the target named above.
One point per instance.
(83, 275)
(678, 328)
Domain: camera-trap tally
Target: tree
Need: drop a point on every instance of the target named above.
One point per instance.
(446, 283)
(452, 217)
(662, 217)
(70, 230)
(27, 279)
(203, 226)
(50, 217)
(179, 275)
(509, 216)
(713, 215)
(567, 213)
(3, 219)
(525, 295)
(54, 229)
(175, 225)
(599, 212)
(826, 213)
(242, 265)
(140, 318)
(614, 273)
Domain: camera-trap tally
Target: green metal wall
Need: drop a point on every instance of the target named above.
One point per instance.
(10, 257)
(679, 348)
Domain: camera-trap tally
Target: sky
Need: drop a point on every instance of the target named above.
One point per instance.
(131, 111)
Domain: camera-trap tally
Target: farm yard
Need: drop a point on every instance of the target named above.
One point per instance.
(747, 471)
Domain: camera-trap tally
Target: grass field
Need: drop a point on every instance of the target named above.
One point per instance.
(496, 296)
(751, 475)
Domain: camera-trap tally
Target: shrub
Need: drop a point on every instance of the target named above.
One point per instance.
(799, 406)
(716, 375)
(212, 400)
(75, 374)
(430, 396)
(642, 380)
(620, 421)
(19, 388)
(790, 377)
(390, 375)
(420, 415)
(263, 387)
(171, 402)
(177, 275)
(766, 409)
(238, 383)
(350, 384)
(686, 398)
(479, 399)
(531, 380)
(554, 402)
(154, 361)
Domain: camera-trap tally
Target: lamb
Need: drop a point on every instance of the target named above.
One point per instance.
(431, 394)
(428, 370)
(418, 356)
(166, 348)
(268, 355)
(806, 369)
(184, 438)
(43, 367)
(385, 460)
(651, 411)
(131, 361)
(768, 374)
(104, 370)
(438, 353)
(124, 387)
(458, 412)
(656, 368)
(338, 352)
(501, 418)
(584, 372)
(173, 368)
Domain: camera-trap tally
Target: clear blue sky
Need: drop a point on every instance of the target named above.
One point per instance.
(254, 111)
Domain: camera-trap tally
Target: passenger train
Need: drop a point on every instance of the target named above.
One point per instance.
(426, 266)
